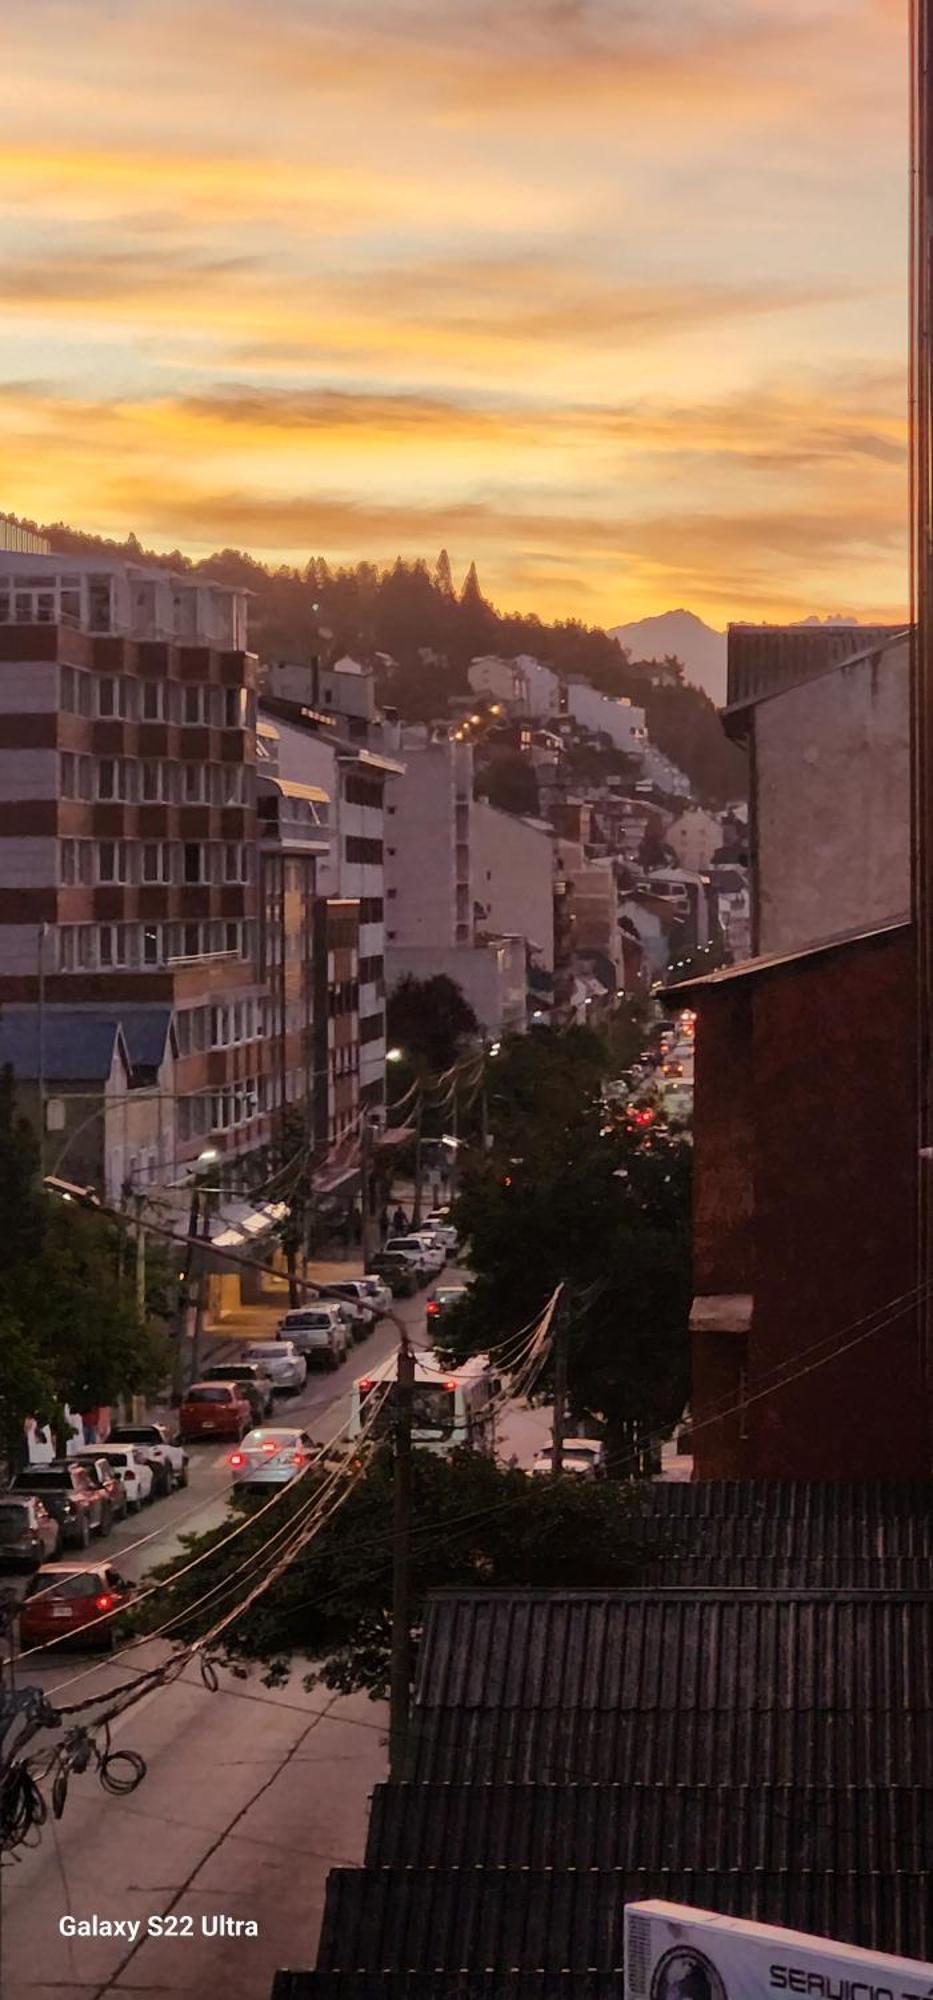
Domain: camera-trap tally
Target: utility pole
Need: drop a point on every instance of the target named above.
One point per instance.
(416, 1204)
(179, 1370)
(455, 1162)
(40, 1041)
(561, 1330)
(200, 1304)
(400, 1667)
(140, 1258)
(921, 495)
(366, 1189)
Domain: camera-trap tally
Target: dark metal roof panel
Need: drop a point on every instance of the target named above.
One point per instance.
(446, 1986)
(651, 1826)
(718, 1650)
(878, 1499)
(807, 1536)
(439, 1919)
(792, 1572)
(652, 1746)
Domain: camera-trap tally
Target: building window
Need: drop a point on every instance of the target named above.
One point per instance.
(195, 702)
(193, 862)
(155, 701)
(157, 861)
(98, 600)
(112, 861)
(364, 852)
(106, 695)
(371, 909)
(234, 708)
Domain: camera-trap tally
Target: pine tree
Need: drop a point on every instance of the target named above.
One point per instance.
(443, 574)
(471, 592)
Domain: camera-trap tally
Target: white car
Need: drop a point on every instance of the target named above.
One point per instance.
(154, 1442)
(581, 1458)
(377, 1293)
(423, 1245)
(287, 1369)
(130, 1466)
(270, 1457)
(441, 1227)
(317, 1330)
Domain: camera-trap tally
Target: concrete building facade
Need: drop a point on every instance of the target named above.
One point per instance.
(513, 878)
(128, 821)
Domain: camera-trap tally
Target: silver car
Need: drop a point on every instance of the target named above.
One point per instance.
(280, 1358)
(317, 1331)
(270, 1457)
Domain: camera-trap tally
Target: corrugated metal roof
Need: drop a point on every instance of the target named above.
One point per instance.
(718, 1650)
(77, 1047)
(792, 1571)
(823, 1500)
(439, 1919)
(651, 1826)
(668, 1747)
(446, 1986)
(806, 1536)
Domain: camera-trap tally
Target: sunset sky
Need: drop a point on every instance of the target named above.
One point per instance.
(609, 295)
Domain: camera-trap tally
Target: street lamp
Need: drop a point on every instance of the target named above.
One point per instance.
(395, 1055)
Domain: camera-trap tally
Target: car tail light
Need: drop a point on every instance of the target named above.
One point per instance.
(365, 1384)
(433, 1307)
(237, 1458)
(451, 1384)
(298, 1458)
(104, 1602)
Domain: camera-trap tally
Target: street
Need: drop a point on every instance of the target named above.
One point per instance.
(251, 1794)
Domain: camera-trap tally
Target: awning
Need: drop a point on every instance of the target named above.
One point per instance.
(333, 1181)
(238, 1225)
(394, 1135)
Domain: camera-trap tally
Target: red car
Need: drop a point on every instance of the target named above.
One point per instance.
(214, 1410)
(70, 1600)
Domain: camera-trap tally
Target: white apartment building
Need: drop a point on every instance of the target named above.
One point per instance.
(431, 884)
(607, 715)
(513, 879)
(694, 836)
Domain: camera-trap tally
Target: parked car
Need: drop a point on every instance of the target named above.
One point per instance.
(377, 1291)
(441, 1303)
(69, 1492)
(130, 1468)
(158, 1448)
(440, 1225)
(254, 1379)
(348, 1293)
(29, 1534)
(71, 1600)
(430, 1248)
(318, 1332)
(422, 1263)
(104, 1476)
(575, 1465)
(214, 1410)
(288, 1368)
(401, 1273)
(270, 1458)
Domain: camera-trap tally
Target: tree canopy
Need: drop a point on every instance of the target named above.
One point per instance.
(574, 1193)
(429, 1020)
(69, 1329)
(473, 1523)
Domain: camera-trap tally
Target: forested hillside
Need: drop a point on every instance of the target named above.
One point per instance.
(422, 632)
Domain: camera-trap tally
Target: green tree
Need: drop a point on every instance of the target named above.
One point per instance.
(429, 1019)
(510, 783)
(571, 1194)
(69, 1331)
(473, 1522)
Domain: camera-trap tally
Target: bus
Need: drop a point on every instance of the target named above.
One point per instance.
(451, 1407)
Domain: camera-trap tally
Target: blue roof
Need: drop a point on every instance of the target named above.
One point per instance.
(145, 1032)
(78, 1047)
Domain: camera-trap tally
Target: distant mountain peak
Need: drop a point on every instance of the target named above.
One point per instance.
(700, 647)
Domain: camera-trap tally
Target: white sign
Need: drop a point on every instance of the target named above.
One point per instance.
(675, 1953)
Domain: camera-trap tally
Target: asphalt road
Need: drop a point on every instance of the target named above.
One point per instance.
(251, 1794)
